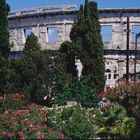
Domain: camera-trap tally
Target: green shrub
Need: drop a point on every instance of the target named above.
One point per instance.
(114, 123)
(77, 90)
(127, 95)
(75, 122)
(33, 74)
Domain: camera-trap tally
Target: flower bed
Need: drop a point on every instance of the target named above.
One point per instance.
(29, 123)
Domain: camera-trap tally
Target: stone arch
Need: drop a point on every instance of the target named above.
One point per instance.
(108, 70)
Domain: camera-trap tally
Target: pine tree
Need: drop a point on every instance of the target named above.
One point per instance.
(87, 42)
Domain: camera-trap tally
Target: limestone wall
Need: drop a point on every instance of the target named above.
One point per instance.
(61, 18)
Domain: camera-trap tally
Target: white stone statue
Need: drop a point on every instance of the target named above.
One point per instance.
(79, 65)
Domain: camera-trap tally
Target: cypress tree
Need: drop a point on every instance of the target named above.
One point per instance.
(4, 31)
(99, 66)
(4, 47)
(68, 54)
(87, 42)
(32, 43)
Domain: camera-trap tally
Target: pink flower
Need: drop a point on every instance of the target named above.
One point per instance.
(8, 134)
(6, 112)
(51, 130)
(41, 136)
(37, 127)
(21, 136)
(45, 119)
(17, 113)
(61, 134)
(24, 130)
(30, 125)
(12, 124)
(24, 121)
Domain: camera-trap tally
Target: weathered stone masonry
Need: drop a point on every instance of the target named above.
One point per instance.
(61, 18)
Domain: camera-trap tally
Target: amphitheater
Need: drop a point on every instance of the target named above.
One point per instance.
(57, 21)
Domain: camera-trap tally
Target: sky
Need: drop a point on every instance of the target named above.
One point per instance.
(22, 4)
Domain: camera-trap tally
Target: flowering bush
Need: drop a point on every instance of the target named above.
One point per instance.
(76, 122)
(13, 102)
(26, 124)
(126, 94)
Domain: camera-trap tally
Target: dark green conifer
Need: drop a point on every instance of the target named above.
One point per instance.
(87, 42)
(4, 31)
(32, 43)
(4, 46)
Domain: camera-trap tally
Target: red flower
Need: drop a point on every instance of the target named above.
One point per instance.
(21, 136)
(61, 134)
(45, 120)
(24, 121)
(12, 124)
(17, 113)
(37, 127)
(41, 136)
(24, 130)
(30, 125)
(6, 112)
(8, 134)
(51, 130)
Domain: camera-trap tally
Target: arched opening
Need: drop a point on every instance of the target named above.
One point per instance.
(108, 71)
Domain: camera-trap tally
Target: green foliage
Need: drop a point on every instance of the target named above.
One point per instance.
(67, 52)
(4, 46)
(76, 90)
(127, 95)
(34, 73)
(4, 75)
(4, 32)
(87, 44)
(75, 122)
(31, 43)
(115, 123)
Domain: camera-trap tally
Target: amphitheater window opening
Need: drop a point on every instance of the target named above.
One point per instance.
(115, 76)
(135, 29)
(106, 32)
(52, 34)
(27, 32)
(108, 71)
(109, 76)
(105, 77)
(115, 71)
